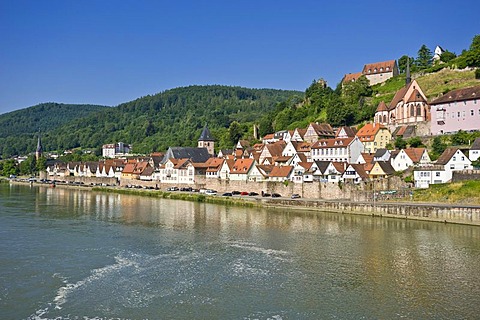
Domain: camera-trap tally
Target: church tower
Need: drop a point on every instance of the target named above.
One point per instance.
(206, 141)
(39, 151)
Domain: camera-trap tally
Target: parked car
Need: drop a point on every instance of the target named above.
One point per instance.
(227, 194)
(252, 194)
(172, 189)
(266, 194)
(276, 195)
(236, 193)
(244, 193)
(211, 192)
(295, 196)
(186, 189)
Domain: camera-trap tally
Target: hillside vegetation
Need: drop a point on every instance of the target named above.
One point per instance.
(153, 123)
(467, 192)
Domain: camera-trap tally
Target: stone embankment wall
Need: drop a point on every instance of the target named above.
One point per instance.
(465, 175)
(440, 213)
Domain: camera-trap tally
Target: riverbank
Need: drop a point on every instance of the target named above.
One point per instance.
(444, 213)
(425, 211)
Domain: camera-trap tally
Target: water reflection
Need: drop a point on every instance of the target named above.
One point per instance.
(363, 260)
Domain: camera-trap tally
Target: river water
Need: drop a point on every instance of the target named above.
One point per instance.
(76, 254)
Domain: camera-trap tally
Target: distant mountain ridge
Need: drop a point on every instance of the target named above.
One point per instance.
(43, 117)
(171, 118)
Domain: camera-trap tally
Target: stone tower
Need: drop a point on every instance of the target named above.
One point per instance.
(39, 151)
(206, 141)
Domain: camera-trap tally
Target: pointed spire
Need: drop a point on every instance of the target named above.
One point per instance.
(39, 144)
(408, 79)
(206, 136)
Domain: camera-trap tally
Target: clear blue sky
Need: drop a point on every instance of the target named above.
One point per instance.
(109, 52)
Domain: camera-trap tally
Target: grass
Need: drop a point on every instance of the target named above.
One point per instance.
(196, 197)
(465, 192)
(432, 84)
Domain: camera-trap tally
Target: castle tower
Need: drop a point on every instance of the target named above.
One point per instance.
(39, 151)
(206, 141)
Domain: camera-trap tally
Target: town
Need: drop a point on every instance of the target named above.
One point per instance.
(317, 155)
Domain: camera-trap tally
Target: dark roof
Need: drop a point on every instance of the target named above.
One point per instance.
(459, 95)
(39, 145)
(386, 167)
(409, 132)
(380, 152)
(446, 155)
(476, 144)
(194, 154)
(322, 165)
(205, 136)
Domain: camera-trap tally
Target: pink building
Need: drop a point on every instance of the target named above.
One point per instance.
(456, 110)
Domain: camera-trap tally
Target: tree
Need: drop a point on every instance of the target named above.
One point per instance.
(447, 56)
(402, 63)
(415, 142)
(353, 92)
(400, 143)
(438, 146)
(42, 164)
(424, 58)
(235, 132)
(475, 45)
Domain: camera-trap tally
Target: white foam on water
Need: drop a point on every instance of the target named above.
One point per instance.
(277, 254)
(96, 274)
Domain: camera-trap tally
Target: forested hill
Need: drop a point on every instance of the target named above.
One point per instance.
(43, 117)
(153, 123)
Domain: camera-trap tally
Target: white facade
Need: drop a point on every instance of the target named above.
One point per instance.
(338, 150)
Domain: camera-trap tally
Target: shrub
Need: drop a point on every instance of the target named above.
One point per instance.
(477, 73)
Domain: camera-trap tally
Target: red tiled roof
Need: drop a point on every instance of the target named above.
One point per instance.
(242, 166)
(378, 67)
(281, 171)
(446, 155)
(368, 132)
(351, 77)
(415, 154)
(382, 107)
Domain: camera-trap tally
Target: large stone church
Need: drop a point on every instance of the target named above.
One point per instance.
(409, 106)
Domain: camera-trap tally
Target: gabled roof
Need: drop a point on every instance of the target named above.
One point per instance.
(415, 154)
(415, 96)
(349, 132)
(351, 77)
(276, 149)
(206, 136)
(214, 164)
(147, 172)
(306, 165)
(129, 168)
(399, 131)
(378, 67)
(322, 165)
(301, 132)
(368, 157)
(242, 166)
(360, 169)
(446, 155)
(339, 166)
(282, 159)
(265, 169)
(459, 95)
(323, 129)
(380, 153)
(386, 167)
(368, 131)
(476, 144)
(281, 172)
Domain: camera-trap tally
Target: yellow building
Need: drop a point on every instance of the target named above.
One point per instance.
(374, 136)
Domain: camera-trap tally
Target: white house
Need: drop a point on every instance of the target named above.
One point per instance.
(474, 152)
(337, 149)
(452, 159)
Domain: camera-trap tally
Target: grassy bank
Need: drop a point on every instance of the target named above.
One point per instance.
(180, 196)
(465, 192)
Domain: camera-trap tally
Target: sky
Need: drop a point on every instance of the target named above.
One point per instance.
(109, 52)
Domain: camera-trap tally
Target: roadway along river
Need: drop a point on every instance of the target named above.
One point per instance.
(77, 254)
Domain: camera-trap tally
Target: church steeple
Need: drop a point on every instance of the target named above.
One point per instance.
(39, 151)
(408, 79)
(206, 141)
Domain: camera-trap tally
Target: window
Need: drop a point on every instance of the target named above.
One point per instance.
(472, 113)
(464, 103)
(388, 68)
(458, 114)
(463, 114)
(437, 174)
(463, 158)
(454, 158)
(475, 101)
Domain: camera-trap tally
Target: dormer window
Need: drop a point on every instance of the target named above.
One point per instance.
(388, 68)
(369, 70)
(375, 70)
(381, 69)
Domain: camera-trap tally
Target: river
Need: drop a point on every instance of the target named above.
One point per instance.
(77, 254)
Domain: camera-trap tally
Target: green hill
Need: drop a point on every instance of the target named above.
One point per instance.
(152, 123)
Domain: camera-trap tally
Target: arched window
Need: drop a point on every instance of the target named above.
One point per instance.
(412, 111)
(419, 110)
(384, 118)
